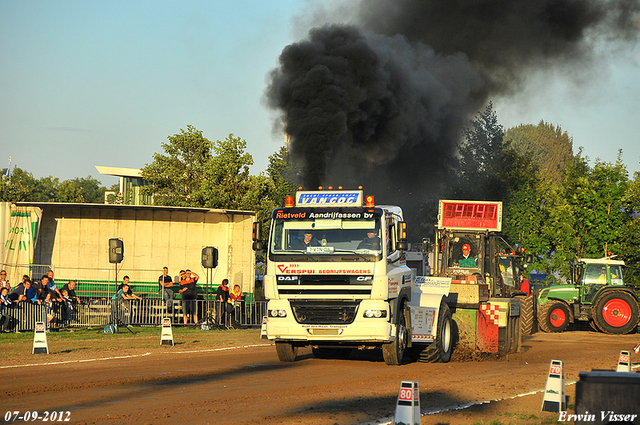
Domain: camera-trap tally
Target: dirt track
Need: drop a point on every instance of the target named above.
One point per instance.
(183, 385)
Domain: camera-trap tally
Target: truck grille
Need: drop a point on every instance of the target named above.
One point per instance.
(325, 312)
(329, 286)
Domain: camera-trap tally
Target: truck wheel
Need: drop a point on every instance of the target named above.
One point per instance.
(440, 349)
(616, 313)
(553, 317)
(527, 315)
(393, 351)
(287, 352)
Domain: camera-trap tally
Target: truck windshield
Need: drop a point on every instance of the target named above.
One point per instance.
(312, 232)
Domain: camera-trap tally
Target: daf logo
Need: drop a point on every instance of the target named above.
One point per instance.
(287, 278)
(364, 278)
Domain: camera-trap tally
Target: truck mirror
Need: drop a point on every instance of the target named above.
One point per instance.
(256, 233)
(402, 244)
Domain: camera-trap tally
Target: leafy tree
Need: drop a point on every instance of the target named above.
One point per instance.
(226, 178)
(630, 240)
(551, 147)
(177, 175)
(524, 214)
(587, 215)
(18, 187)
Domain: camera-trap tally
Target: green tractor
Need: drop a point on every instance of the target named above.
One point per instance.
(598, 295)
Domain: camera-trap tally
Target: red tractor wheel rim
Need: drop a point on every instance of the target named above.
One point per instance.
(557, 317)
(616, 312)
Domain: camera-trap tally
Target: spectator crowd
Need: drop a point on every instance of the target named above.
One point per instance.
(41, 291)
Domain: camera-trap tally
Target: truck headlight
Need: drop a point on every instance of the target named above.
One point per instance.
(375, 313)
(277, 313)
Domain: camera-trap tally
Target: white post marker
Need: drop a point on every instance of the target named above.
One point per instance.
(408, 405)
(624, 362)
(554, 399)
(40, 339)
(166, 338)
(263, 329)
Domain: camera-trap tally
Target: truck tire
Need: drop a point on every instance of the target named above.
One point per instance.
(527, 314)
(392, 352)
(439, 351)
(331, 353)
(616, 313)
(553, 316)
(287, 352)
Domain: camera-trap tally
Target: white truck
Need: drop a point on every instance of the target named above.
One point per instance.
(337, 280)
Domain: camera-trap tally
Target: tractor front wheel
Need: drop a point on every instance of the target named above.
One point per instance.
(554, 316)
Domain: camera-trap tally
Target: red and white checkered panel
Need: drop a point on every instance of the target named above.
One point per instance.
(39, 327)
(492, 312)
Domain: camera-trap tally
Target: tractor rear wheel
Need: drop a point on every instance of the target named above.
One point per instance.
(442, 346)
(553, 316)
(287, 352)
(616, 312)
(527, 314)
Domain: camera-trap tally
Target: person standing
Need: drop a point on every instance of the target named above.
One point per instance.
(166, 286)
(222, 296)
(189, 292)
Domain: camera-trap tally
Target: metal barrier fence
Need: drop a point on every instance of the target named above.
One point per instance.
(145, 312)
(103, 282)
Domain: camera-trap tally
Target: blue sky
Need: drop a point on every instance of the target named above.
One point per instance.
(85, 83)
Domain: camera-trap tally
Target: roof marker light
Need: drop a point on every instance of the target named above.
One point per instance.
(288, 202)
(370, 202)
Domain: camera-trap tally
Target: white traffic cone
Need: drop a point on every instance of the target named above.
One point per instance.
(166, 338)
(554, 399)
(408, 405)
(40, 339)
(624, 362)
(263, 329)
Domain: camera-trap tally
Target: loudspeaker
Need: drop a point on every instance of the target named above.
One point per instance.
(210, 257)
(116, 250)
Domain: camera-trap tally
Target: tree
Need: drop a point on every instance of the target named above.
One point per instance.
(18, 187)
(480, 154)
(551, 147)
(176, 176)
(587, 214)
(226, 176)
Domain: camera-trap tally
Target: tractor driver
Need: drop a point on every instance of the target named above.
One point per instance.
(467, 260)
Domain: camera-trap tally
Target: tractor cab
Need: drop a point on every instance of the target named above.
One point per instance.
(594, 274)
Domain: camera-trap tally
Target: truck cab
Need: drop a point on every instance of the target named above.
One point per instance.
(336, 276)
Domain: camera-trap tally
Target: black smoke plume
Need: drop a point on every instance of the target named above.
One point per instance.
(383, 104)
